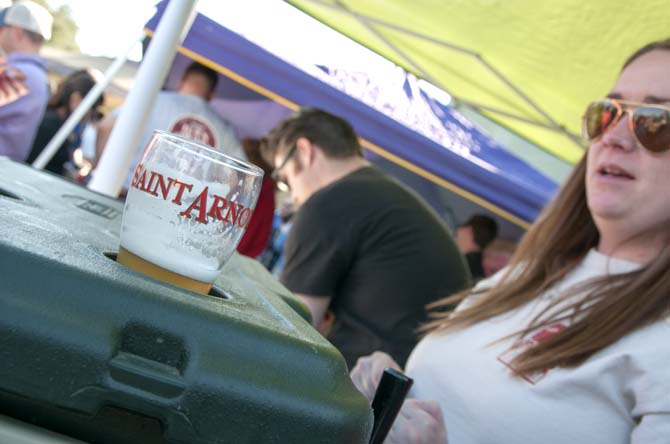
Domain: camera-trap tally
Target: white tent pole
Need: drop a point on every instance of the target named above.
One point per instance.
(86, 104)
(120, 149)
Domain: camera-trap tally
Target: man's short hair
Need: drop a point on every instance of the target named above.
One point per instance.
(484, 229)
(208, 73)
(334, 135)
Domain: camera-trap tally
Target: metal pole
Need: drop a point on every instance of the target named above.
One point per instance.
(120, 150)
(86, 104)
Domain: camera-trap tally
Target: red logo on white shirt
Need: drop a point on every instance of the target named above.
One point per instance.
(193, 128)
(12, 85)
(520, 346)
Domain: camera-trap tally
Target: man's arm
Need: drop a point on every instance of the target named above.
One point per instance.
(318, 306)
(104, 129)
(23, 99)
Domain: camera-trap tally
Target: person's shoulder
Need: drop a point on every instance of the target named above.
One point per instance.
(364, 192)
(373, 180)
(30, 66)
(29, 61)
(654, 337)
(365, 180)
(481, 288)
(213, 114)
(170, 96)
(365, 174)
(343, 202)
(313, 210)
(387, 197)
(325, 210)
(335, 197)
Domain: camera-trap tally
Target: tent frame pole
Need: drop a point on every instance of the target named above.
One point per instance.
(122, 145)
(370, 22)
(86, 104)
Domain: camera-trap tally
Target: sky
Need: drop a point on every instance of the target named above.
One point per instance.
(112, 28)
(109, 28)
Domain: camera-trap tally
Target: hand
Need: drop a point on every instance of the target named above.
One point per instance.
(368, 371)
(419, 422)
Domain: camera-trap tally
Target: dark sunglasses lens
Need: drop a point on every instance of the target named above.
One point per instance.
(598, 117)
(652, 128)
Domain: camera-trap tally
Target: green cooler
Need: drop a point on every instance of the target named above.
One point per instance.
(97, 352)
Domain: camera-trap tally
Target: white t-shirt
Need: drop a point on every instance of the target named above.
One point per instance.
(619, 395)
(190, 117)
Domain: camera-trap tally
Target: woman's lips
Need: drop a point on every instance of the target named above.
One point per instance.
(614, 172)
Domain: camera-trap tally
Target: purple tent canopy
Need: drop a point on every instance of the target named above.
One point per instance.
(415, 135)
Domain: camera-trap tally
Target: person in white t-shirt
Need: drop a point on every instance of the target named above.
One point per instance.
(571, 342)
(185, 112)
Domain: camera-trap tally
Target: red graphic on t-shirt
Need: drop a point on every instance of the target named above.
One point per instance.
(195, 129)
(12, 84)
(520, 346)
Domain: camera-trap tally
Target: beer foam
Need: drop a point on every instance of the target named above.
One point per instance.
(153, 229)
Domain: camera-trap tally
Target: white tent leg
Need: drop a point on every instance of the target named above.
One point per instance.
(120, 150)
(68, 126)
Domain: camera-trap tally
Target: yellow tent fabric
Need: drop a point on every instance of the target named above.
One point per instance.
(530, 65)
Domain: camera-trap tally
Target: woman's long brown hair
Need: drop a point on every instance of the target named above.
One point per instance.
(611, 308)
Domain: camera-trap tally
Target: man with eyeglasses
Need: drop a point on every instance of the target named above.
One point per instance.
(362, 247)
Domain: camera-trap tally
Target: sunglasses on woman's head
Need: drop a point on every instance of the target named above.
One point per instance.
(649, 123)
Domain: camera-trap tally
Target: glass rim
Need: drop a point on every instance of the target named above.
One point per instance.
(241, 165)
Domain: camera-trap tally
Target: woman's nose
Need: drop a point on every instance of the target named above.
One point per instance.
(620, 135)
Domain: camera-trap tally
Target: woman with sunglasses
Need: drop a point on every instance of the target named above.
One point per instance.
(571, 342)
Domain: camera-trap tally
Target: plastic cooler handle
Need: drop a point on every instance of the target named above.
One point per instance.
(389, 397)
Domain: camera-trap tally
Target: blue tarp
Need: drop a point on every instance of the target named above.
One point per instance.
(417, 132)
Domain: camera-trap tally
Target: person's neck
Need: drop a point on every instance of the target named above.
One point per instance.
(193, 93)
(335, 169)
(640, 248)
(330, 171)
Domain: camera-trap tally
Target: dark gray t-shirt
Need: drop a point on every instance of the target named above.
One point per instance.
(380, 254)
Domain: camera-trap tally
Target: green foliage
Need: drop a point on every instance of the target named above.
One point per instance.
(64, 28)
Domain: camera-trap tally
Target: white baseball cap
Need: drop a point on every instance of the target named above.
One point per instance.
(29, 16)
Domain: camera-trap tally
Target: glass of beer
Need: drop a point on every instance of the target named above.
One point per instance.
(186, 210)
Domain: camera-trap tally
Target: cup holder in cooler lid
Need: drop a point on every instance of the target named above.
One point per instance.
(213, 292)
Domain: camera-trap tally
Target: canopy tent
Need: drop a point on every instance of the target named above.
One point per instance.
(530, 65)
(410, 130)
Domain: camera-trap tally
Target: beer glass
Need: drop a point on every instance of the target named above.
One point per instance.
(186, 210)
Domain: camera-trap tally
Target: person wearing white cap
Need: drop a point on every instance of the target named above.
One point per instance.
(24, 90)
